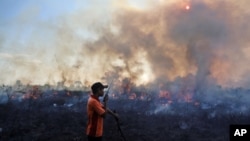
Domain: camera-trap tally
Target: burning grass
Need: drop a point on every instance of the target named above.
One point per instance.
(63, 117)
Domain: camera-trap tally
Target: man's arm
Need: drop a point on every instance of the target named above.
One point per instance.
(105, 109)
(105, 100)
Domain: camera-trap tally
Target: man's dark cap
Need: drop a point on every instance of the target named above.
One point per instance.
(97, 86)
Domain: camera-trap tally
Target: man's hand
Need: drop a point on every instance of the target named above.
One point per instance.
(106, 98)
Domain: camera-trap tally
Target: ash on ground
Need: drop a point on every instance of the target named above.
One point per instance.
(61, 115)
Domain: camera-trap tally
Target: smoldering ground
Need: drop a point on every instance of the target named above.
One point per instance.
(202, 48)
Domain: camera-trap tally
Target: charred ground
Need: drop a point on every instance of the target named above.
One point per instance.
(62, 117)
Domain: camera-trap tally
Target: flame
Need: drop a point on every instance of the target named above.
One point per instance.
(132, 96)
(164, 94)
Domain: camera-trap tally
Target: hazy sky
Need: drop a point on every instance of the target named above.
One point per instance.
(46, 41)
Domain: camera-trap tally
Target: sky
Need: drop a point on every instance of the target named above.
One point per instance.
(147, 41)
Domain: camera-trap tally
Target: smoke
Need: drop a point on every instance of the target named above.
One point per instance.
(159, 42)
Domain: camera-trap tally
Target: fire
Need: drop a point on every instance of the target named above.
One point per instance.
(132, 96)
(164, 94)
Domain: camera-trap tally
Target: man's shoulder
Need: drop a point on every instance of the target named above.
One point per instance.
(92, 100)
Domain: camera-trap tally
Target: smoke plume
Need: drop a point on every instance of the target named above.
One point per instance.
(159, 42)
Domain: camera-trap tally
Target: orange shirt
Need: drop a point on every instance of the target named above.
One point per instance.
(95, 120)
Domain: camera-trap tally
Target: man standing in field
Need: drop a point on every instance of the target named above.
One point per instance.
(96, 112)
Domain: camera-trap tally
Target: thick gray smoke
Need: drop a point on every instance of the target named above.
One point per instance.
(157, 43)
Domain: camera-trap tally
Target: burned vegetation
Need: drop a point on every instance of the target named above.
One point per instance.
(38, 114)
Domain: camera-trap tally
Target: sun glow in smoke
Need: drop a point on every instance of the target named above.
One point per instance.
(187, 7)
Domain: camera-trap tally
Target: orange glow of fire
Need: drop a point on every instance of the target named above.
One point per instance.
(143, 96)
(188, 98)
(132, 96)
(68, 93)
(34, 93)
(164, 94)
